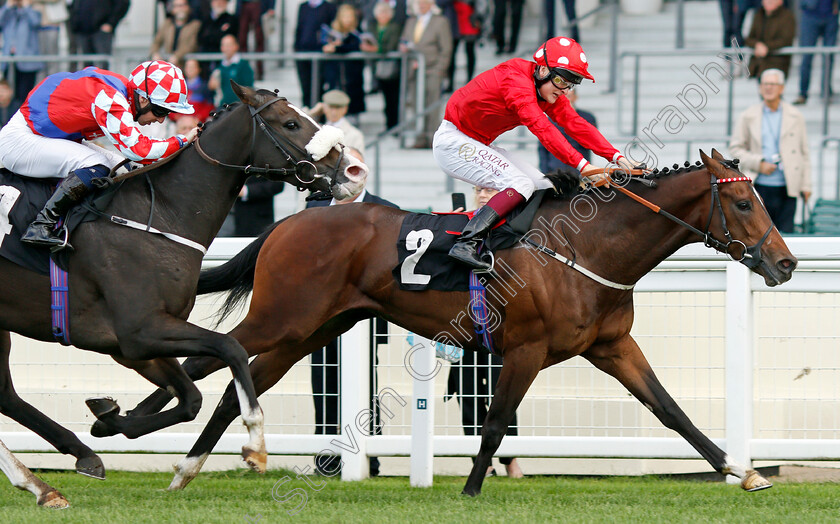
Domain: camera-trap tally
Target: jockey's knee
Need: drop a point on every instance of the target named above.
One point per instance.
(524, 186)
(87, 174)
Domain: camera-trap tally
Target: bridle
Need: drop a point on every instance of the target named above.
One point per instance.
(304, 170)
(751, 256)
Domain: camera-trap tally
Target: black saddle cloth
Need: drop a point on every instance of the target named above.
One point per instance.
(425, 240)
(21, 199)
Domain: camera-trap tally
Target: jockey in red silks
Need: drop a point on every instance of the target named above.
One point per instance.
(516, 92)
(44, 138)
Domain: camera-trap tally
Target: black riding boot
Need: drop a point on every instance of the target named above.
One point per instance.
(41, 231)
(466, 247)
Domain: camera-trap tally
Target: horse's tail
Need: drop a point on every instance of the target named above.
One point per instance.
(236, 276)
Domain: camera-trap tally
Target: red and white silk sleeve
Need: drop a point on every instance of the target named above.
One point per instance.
(113, 114)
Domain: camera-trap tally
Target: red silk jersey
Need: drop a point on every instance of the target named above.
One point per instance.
(505, 97)
(89, 104)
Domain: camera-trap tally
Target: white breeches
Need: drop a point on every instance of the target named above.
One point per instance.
(491, 166)
(27, 154)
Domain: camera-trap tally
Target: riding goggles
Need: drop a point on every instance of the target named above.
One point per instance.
(561, 83)
(159, 111)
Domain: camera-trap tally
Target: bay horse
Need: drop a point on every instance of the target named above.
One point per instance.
(322, 270)
(131, 292)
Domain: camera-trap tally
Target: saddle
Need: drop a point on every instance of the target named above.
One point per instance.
(21, 198)
(425, 240)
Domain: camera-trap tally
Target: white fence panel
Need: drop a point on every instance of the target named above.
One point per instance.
(755, 368)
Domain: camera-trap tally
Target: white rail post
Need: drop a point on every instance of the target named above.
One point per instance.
(739, 365)
(423, 367)
(355, 402)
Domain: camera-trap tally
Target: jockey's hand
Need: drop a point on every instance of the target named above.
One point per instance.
(191, 135)
(592, 173)
(625, 164)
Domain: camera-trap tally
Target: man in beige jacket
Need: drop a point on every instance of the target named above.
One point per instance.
(771, 140)
(429, 34)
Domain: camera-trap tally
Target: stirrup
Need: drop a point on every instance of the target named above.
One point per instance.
(492, 263)
(65, 243)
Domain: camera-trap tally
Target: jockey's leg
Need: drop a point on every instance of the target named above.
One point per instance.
(465, 249)
(70, 192)
(467, 159)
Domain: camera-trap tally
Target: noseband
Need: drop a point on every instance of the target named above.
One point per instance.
(751, 256)
(304, 170)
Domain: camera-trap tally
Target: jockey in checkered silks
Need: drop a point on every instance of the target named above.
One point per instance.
(44, 138)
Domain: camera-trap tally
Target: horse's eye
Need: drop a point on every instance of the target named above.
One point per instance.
(744, 205)
(291, 124)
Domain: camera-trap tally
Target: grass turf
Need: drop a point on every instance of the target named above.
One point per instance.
(241, 496)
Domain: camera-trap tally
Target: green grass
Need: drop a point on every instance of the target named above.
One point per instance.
(230, 496)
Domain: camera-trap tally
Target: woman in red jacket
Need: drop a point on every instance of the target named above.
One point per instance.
(514, 93)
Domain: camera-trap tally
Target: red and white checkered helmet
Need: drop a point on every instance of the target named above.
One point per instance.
(163, 84)
(563, 55)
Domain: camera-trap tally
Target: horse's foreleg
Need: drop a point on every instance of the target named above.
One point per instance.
(21, 478)
(164, 373)
(624, 360)
(65, 441)
(518, 372)
(267, 369)
(172, 337)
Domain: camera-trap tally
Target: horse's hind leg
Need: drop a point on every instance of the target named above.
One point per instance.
(14, 407)
(624, 360)
(21, 478)
(164, 373)
(167, 336)
(267, 369)
(518, 372)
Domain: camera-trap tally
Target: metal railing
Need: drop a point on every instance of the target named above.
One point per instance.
(405, 124)
(745, 53)
(318, 58)
(818, 176)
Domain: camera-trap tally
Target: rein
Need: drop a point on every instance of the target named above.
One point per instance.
(304, 170)
(751, 256)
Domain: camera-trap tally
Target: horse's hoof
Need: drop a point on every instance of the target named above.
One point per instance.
(54, 500)
(256, 460)
(102, 406)
(91, 467)
(178, 483)
(471, 492)
(102, 429)
(752, 481)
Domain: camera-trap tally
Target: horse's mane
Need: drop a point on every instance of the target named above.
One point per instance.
(566, 182)
(688, 167)
(219, 113)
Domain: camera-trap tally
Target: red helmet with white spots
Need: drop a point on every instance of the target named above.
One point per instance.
(163, 84)
(565, 58)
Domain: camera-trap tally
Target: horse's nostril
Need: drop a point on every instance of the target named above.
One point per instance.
(355, 172)
(786, 265)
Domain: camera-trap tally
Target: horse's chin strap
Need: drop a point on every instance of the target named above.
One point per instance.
(751, 256)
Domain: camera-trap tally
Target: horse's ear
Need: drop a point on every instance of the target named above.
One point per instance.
(717, 156)
(712, 163)
(246, 94)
